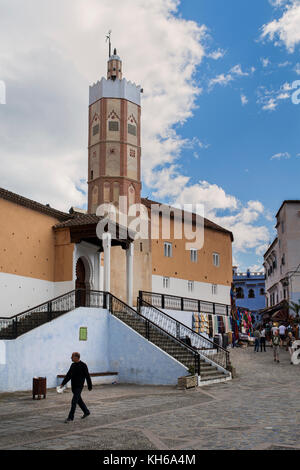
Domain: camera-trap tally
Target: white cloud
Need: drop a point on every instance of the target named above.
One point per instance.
(218, 54)
(244, 100)
(225, 79)
(281, 156)
(57, 50)
(285, 30)
(271, 105)
(270, 99)
(265, 62)
(243, 219)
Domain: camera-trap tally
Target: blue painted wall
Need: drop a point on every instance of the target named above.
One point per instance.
(247, 282)
(139, 361)
(111, 346)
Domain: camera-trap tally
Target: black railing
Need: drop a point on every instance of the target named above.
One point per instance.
(12, 327)
(206, 347)
(116, 306)
(152, 319)
(173, 302)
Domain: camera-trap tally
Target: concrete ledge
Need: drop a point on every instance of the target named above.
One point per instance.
(97, 378)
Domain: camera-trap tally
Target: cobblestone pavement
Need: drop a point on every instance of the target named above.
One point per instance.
(257, 410)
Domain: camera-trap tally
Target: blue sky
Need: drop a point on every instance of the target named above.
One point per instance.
(241, 139)
(218, 123)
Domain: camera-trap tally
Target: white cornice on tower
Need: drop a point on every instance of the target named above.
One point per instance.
(123, 89)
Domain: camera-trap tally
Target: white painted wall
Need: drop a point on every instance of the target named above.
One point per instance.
(202, 290)
(19, 293)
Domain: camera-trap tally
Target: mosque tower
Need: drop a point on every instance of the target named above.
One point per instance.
(114, 143)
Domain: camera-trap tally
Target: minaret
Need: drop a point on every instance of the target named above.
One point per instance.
(114, 139)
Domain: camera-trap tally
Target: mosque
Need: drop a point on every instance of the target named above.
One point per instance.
(47, 253)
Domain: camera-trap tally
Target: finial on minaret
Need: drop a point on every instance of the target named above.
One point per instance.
(108, 38)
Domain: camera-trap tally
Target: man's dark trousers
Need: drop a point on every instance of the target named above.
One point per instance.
(77, 400)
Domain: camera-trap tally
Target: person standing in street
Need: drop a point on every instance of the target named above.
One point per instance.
(263, 340)
(77, 373)
(257, 340)
(275, 343)
(282, 330)
(289, 343)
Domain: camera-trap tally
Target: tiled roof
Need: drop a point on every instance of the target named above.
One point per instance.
(82, 220)
(77, 220)
(30, 204)
(207, 223)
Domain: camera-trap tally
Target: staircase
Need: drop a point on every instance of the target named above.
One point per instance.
(202, 357)
(209, 362)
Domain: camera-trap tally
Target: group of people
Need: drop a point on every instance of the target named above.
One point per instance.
(277, 336)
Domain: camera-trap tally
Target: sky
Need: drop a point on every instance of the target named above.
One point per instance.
(219, 125)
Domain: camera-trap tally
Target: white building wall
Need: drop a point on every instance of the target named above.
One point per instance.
(19, 293)
(202, 290)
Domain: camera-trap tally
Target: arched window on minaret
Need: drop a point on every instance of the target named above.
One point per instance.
(131, 195)
(106, 192)
(116, 193)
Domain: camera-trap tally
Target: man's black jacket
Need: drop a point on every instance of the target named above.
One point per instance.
(77, 373)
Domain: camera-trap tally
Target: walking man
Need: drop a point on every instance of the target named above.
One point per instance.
(77, 373)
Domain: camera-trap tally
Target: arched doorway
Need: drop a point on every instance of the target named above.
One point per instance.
(80, 284)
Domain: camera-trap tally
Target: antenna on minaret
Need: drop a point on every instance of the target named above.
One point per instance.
(109, 42)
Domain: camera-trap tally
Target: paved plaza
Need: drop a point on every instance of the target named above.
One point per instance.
(257, 410)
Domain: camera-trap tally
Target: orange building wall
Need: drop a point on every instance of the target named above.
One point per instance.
(28, 246)
(180, 265)
(63, 256)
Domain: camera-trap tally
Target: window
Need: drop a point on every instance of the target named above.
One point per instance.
(191, 286)
(166, 282)
(92, 175)
(251, 294)
(194, 255)
(240, 293)
(262, 291)
(131, 129)
(214, 289)
(113, 126)
(83, 333)
(216, 259)
(96, 129)
(168, 250)
(282, 226)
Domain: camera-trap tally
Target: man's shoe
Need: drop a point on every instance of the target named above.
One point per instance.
(85, 415)
(68, 420)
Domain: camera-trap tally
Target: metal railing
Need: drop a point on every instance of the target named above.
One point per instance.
(206, 347)
(173, 302)
(12, 327)
(152, 319)
(116, 306)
